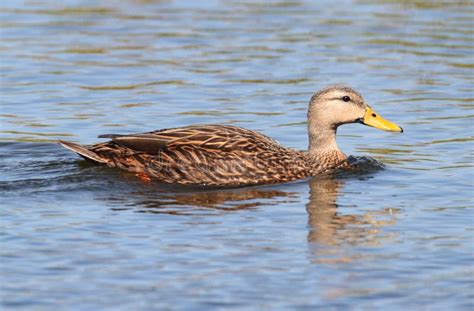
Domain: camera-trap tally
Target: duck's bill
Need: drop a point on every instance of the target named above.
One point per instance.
(373, 119)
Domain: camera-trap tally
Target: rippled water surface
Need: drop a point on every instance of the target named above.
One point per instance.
(85, 237)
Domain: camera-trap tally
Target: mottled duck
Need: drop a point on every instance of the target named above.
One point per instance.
(231, 156)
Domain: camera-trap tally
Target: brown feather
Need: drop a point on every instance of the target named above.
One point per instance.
(82, 150)
(141, 143)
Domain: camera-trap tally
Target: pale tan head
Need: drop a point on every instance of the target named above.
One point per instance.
(335, 106)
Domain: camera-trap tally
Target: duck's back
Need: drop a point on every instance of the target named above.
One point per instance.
(218, 155)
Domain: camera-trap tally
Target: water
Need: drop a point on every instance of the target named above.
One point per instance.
(82, 237)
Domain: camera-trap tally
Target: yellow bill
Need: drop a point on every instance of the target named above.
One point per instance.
(372, 119)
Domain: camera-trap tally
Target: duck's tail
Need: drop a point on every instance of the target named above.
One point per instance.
(82, 151)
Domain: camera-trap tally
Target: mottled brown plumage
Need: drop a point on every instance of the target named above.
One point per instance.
(228, 156)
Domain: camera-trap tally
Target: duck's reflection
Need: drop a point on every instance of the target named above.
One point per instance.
(323, 220)
(327, 226)
(186, 203)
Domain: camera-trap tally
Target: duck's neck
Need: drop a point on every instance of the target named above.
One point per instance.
(322, 144)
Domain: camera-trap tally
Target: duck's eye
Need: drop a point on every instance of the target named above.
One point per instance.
(346, 99)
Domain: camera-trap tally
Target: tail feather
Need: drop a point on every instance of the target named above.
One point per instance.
(82, 151)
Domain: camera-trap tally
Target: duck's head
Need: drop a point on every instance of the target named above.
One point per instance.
(337, 105)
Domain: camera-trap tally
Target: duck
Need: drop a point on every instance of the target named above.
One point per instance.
(231, 156)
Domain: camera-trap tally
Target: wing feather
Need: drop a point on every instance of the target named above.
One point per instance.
(143, 143)
(217, 137)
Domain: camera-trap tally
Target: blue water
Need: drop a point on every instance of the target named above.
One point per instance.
(84, 237)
